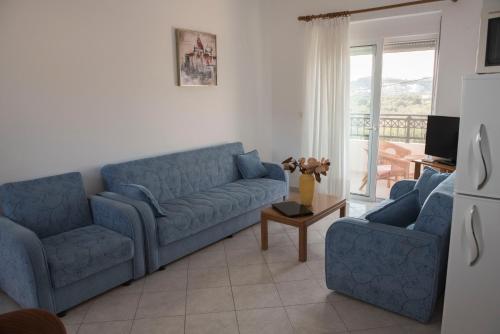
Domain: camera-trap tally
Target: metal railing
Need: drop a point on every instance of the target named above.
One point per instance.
(401, 128)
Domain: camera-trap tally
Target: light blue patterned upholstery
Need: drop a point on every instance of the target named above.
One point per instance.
(428, 181)
(191, 214)
(47, 206)
(400, 212)
(78, 256)
(250, 166)
(396, 268)
(178, 174)
(435, 215)
(82, 252)
(203, 196)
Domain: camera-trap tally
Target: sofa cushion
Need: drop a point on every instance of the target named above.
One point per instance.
(250, 166)
(82, 252)
(191, 214)
(435, 216)
(428, 181)
(401, 212)
(47, 206)
(178, 174)
(141, 193)
(376, 206)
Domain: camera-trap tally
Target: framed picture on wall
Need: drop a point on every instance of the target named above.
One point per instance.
(196, 58)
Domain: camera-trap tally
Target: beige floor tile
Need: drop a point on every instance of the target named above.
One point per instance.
(110, 327)
(281, 254)
(317, 267)
(290, 271)
(358, 315)
(166, 280)
(255, 296)
(422, 329)
(215, 247)
(76, 315)
(210, 300)
(207, 259)
(264, 321)
(302, 292)
(316, 251)
(72, 329)
(272, 228)
(168, 325)
(382, 330)
(161, 304)
(315, 318)
(250, 274)
(246, 232)
(212, 323)
(241, 241)
(134, 287)
(313, 236)
(112, 308)
(208, 278)
(181, 264)
(243, 257)
(278, 240)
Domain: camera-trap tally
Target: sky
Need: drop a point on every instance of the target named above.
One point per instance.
(403, 65)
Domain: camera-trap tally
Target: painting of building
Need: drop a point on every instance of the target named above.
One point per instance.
(196, 58)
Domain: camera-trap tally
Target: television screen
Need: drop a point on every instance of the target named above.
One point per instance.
(442, 137)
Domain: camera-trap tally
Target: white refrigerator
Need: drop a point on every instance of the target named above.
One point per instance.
(472, 296)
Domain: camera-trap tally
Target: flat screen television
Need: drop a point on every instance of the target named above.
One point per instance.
(441, 139)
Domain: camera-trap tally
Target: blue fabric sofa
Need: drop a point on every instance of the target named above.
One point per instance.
(399, 269)
(200, 193)
(58, 250)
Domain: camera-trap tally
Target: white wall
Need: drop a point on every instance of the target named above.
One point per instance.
(283, 44)
(84, 83)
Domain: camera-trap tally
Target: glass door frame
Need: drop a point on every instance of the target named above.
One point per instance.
(373, 140)
(374, 120)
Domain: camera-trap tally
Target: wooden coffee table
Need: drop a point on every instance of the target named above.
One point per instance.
(322, 206)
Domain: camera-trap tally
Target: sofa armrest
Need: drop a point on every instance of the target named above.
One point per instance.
(394, 268)
(124, 219)
(276, 172)
(24, 273)
(148, 222)
(402, 187)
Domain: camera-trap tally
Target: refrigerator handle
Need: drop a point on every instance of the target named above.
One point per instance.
(482, 171)
(472, 244)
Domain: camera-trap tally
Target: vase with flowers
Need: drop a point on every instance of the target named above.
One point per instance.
(311, 170)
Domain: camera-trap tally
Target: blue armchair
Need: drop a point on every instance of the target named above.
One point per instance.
(396, 268)
(57, 251)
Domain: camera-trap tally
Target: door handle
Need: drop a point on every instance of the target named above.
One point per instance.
(482, 170)
(470, 233)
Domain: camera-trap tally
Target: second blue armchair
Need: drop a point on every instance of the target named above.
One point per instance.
(57, 251)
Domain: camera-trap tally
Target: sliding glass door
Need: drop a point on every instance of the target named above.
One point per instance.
(361, 117)
(391, 94)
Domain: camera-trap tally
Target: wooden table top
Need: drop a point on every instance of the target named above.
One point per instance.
(322, 206)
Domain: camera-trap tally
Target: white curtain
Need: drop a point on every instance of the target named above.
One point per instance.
(325, 117)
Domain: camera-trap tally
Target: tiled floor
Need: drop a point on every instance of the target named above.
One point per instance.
(234, 287)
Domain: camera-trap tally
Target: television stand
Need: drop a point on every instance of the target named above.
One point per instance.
(439, 165)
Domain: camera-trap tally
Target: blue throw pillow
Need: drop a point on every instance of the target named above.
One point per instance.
(403, 211)
(250, 166)
(141, 193)
(428, 181)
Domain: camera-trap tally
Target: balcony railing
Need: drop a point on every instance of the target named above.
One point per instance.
(401, 128)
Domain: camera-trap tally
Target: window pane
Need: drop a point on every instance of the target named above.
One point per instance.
(360, 108)
(406, 100)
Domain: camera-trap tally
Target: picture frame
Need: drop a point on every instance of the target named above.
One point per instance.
(196, 58)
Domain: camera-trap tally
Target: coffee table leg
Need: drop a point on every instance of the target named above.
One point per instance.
(342, 211)
(303, 243)
(263, 233)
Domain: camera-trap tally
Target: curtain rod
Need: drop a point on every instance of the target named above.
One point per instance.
(308, 18)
